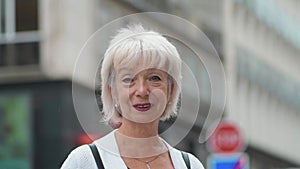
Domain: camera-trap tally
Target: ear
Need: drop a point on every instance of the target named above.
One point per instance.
(112, 93)
(171, 92)
(110, 90)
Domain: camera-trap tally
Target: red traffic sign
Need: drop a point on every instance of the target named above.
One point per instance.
(227, 138)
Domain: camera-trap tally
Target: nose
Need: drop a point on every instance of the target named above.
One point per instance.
(142, 89)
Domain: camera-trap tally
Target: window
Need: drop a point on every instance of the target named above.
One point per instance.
(26, 15)
(19, 40)
(268, 78)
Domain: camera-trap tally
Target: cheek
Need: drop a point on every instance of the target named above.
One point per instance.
(125, 96)
(159, 99)
(120, 93)
(158, 96)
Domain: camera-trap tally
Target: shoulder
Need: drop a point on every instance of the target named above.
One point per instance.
(78, 158)
(195, 162)
(179, 161)
(82, 156)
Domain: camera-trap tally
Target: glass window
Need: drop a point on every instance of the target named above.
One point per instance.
(18, 15)
(268, 78)
(26, 15)
(1, 17)
(19, 40)
(19, 54)
(27, 53)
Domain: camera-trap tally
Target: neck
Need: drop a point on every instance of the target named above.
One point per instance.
(139, 140)
(139, 130)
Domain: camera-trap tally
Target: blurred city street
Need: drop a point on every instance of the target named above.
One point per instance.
(242, 55)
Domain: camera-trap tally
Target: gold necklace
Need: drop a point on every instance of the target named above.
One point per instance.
(147, 162)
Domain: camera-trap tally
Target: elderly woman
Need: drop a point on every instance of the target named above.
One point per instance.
(141, 80)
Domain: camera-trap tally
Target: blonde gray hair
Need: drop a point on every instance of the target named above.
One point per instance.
(135, 45)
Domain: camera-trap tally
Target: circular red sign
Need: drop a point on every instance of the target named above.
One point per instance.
(227, 138)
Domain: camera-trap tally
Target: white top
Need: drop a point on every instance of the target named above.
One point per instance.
(82, 157)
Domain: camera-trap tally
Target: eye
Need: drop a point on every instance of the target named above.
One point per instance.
(127, 80)
(155, 78)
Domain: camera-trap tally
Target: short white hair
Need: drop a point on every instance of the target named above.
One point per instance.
(135, 45)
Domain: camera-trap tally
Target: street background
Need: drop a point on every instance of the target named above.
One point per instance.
(257, 41)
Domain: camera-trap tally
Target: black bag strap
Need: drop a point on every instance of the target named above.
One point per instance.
(96, 156)
(186, 159)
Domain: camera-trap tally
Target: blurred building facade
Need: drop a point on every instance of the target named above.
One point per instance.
(41, 40)
(262, 49)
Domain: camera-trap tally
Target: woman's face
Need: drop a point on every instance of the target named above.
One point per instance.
(142, 94)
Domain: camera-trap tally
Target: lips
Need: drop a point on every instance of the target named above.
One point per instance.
(142, 106)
